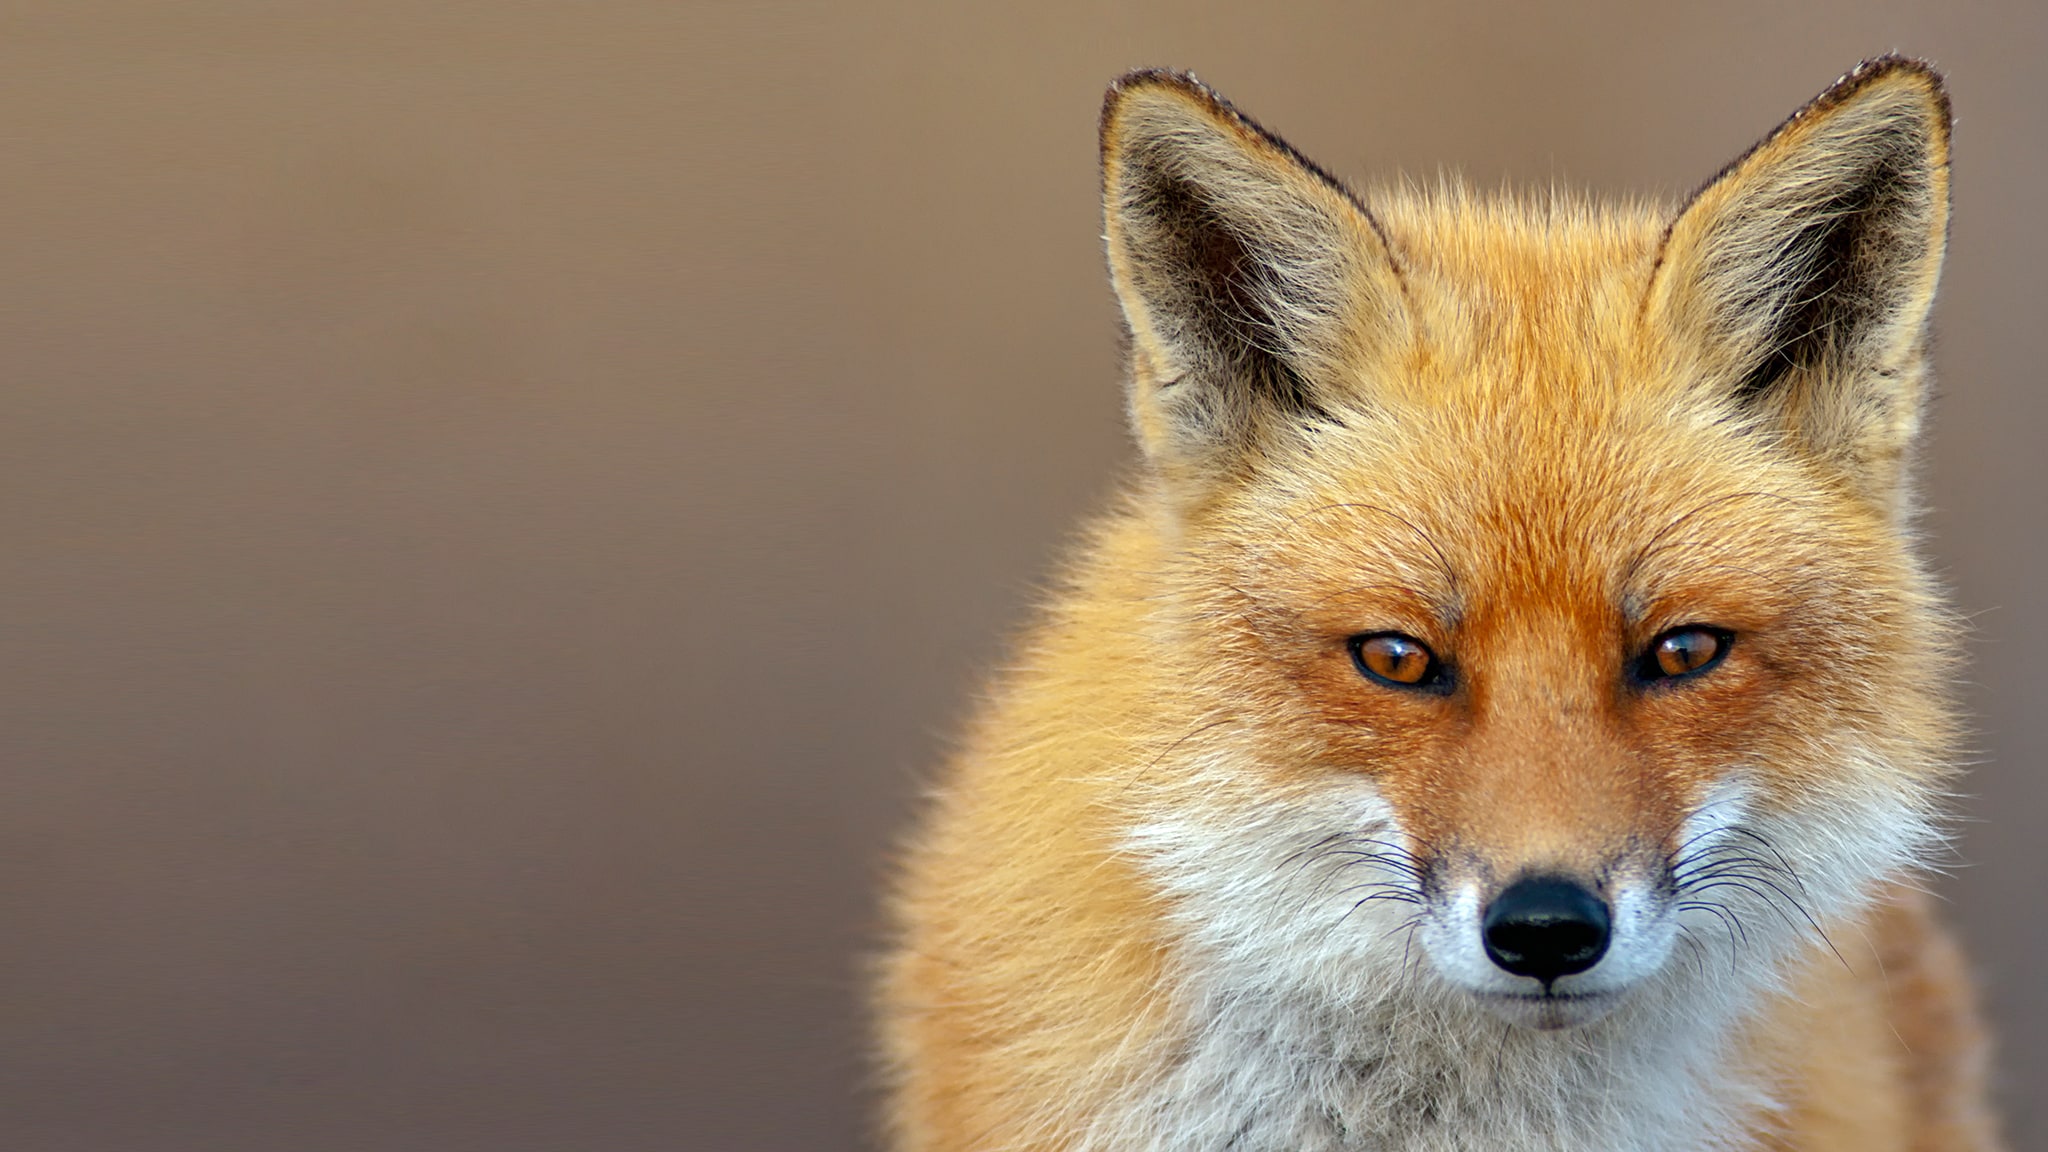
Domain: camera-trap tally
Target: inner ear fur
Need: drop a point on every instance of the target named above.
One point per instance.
(1250, 279)
(1802, 276)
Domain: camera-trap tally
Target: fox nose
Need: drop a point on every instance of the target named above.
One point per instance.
(1546, 927)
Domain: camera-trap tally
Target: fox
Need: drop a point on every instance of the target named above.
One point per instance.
(1505, 708)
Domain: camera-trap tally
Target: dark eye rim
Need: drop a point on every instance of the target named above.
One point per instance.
(1436, 679)
(1646, 671)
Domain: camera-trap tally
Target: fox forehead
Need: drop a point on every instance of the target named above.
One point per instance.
(1552, 285)
(1523, 302)
(1535, 429)
(1448, 506)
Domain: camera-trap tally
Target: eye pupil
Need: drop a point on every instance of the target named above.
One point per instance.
(1685, 650)
(1395, 659)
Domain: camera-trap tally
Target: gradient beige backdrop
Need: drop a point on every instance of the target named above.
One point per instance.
(501, 501)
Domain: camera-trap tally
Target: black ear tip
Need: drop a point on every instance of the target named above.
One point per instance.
(1178, 81)
(1895, 66)
(1894, 63)
(1179, 78)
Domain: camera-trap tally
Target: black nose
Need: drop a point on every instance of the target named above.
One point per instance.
(1546, 927)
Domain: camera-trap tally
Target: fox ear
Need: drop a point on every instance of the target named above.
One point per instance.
(1803, 274)
(1251, 281)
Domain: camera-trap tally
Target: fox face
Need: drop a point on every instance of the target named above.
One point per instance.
(1539, 599)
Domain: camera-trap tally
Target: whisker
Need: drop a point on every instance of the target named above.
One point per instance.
(1729, 922)
(1698, 950)
(1332, 838)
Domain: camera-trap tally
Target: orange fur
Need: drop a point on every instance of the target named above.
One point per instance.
(1533, 436)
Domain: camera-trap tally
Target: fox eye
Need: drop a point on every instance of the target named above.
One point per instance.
(1683, 651)
(1397, 660)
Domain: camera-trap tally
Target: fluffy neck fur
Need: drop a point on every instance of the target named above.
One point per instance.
(1275, 1069)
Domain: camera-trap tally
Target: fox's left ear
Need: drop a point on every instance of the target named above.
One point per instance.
(1802, 276)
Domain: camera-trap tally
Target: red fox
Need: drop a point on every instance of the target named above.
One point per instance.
(1506, 710)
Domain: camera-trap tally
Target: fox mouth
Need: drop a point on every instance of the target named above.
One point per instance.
(1550, 1011)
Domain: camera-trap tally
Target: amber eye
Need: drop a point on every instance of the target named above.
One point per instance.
(1397, 660)
(1684, 651)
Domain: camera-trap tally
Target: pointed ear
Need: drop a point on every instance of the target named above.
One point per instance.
(1802, 276)
(1251, 281)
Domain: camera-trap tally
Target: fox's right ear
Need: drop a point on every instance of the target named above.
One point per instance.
(1252, 282)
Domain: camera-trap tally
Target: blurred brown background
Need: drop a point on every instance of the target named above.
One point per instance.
(502, 501)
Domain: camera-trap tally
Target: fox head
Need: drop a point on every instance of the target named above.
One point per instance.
(1539, 573)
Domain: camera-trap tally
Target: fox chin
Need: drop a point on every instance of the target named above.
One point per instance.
(1507, 707)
